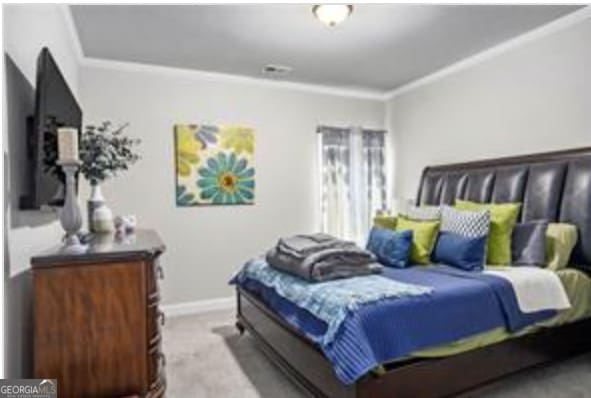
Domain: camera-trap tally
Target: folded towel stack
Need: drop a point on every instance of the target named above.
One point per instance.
(321, 257)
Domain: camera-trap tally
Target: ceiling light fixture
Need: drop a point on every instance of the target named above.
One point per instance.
(332, 14)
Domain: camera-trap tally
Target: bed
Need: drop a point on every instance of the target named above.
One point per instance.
(554, 186)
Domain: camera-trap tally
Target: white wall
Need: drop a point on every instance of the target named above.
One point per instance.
(532, 98)
(27, 28)
(207, 244)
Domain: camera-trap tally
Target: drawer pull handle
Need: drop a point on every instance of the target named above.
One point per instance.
(160, 272)
(162, 318)
(162, 359)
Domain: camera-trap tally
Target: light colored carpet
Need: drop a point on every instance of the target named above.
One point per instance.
(206, 358)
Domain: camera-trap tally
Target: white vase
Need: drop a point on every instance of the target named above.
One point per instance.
(95, 201)
(102, 219)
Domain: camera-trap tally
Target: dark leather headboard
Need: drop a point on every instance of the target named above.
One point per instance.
(555, 186)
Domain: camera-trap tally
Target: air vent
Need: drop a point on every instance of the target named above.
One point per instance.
(277, 70)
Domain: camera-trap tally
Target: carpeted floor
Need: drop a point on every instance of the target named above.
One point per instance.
(207, 358)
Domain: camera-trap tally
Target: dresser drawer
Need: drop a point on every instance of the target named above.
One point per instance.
(89, 327)
(158, 388)
(156, 364)
(155, 273)
(155, 320)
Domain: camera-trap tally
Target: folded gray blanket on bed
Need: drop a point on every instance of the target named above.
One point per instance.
(302, 245)
(321, 257)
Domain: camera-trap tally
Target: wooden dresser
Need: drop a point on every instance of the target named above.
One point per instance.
(96, 318)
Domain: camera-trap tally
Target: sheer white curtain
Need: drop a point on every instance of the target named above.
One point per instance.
(353, 180)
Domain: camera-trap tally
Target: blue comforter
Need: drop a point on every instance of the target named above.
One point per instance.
(461, 304)
(330, 301)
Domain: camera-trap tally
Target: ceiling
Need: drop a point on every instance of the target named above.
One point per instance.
(379, 48)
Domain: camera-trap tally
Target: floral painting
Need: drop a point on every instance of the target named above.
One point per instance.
(214, 165)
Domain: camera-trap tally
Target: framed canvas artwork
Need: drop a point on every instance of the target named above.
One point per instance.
(214, 165)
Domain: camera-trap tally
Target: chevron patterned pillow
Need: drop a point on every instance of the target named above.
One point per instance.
(470, 224)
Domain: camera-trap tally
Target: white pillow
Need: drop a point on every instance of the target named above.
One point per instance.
(423, 213)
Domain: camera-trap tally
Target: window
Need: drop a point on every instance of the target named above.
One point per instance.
(353, 180)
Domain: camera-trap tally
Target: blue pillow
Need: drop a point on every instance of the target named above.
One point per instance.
(460, 251)
(391, 248)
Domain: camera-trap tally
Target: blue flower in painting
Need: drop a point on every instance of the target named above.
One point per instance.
(184, 198)
(227, 180)
(207, 135)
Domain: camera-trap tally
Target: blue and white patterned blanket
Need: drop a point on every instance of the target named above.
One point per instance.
(329, 301)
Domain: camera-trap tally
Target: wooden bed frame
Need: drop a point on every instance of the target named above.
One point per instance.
(424, 378)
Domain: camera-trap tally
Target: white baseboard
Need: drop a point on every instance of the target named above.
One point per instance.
(199, 306)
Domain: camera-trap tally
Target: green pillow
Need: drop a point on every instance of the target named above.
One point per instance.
(503, 217)
(560, 241)
(388, 222)
(424, 235)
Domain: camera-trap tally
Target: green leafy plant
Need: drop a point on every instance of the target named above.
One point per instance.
(105, 152)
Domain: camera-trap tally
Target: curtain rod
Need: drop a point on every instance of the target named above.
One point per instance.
(347, 129)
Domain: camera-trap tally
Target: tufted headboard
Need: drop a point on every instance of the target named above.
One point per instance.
(555, 186)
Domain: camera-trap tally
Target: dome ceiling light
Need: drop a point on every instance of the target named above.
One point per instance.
(332, 14)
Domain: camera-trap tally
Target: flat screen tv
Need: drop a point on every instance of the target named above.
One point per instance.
(55, 106)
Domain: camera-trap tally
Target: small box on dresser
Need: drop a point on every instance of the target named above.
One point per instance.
(97, 319)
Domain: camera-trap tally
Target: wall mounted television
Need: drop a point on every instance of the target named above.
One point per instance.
(55, 106)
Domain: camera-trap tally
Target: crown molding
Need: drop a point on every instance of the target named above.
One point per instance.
(72, 31)
(230, 78)
(206, 75)
(528, 37)
(535, 34)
